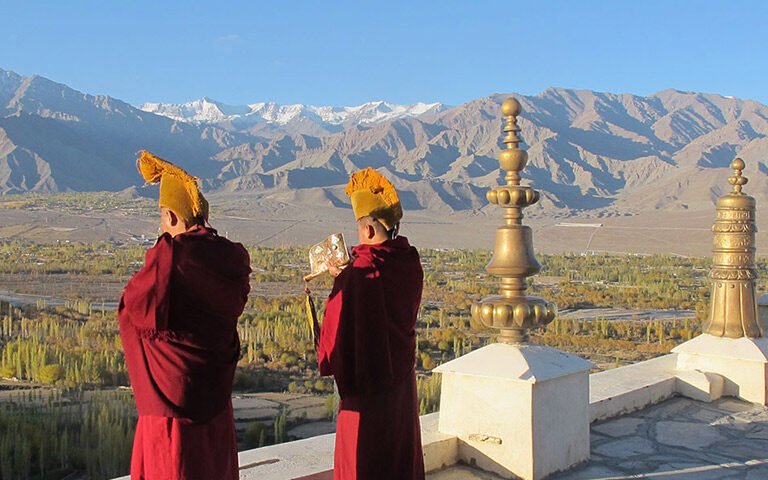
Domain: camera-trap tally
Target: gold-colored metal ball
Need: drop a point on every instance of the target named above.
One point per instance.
(510, 107)
(737, 164)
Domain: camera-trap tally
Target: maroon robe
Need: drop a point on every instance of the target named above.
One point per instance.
(368, 343)
(178, 324)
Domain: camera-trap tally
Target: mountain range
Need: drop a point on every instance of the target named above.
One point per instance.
(271, 119)
(606, 153)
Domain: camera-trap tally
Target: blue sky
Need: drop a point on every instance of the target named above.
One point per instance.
(344, 53)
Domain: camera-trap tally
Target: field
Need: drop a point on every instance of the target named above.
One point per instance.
(108, 216)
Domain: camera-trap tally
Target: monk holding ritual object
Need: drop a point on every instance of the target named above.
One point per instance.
(368, 341)
(178, 318)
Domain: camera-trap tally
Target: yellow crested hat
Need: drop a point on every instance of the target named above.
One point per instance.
(179, 191)
(372, 194)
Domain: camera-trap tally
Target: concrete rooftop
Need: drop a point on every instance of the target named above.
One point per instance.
(679, 439)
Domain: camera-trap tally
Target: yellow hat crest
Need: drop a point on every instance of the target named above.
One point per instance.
(179, 191)
(372, 194)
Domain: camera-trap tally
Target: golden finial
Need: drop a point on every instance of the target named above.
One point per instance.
(737, 180)
(513, 312)
(733, 303)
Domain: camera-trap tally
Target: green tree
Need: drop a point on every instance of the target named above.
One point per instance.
(51, 374)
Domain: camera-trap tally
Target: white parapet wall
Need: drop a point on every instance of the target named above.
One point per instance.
(626, 389)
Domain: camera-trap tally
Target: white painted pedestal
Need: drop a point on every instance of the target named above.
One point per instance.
(517, 410)
(742, 362)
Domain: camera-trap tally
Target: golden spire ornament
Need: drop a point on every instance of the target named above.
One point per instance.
(733, 303)
(513, 312)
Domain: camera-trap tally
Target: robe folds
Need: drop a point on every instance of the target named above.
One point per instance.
(368, 343)
(178, 325)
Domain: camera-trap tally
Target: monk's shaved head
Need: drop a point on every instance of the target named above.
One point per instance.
(372, 231)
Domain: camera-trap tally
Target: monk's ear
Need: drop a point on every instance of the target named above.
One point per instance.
(173, 219)
(370, 231)
(169, 218)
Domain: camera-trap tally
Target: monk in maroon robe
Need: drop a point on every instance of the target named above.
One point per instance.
(178, 318)
(368, 342)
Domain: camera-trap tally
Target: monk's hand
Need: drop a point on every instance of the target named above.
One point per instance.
(333, 270)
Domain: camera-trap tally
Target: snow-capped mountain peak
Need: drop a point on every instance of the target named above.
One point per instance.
(203, 110)
(207, 111)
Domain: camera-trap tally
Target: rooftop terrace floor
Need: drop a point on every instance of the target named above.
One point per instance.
(678, 439)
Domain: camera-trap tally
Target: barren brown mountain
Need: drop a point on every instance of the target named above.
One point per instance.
(591, 153)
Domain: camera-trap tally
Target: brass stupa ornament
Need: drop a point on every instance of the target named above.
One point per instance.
(513, 312)
(733, 304)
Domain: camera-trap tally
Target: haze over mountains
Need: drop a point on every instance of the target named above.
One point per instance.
(589, 151)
